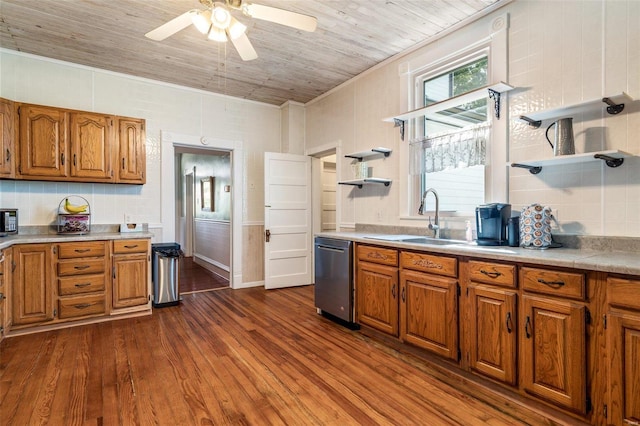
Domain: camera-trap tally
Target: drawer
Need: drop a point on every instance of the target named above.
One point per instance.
(434, 264)
(624, 293)
(556, 283)
(80, 284)
(382, 256)
(81, 267)
(82, 306)
(492, 273)
(81, 249)
(130, 246)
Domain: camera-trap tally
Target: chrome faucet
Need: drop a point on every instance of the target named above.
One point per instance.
(435, 226)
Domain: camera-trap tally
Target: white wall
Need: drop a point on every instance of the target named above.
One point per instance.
(255, 127)
(560, 53)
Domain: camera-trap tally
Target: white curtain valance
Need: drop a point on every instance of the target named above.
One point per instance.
(450, 150)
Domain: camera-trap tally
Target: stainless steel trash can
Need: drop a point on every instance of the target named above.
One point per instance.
(165, 273)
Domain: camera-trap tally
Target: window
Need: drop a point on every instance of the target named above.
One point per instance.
(461, 187)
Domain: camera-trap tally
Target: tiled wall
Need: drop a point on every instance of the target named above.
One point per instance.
(169, 108)
(560, 53)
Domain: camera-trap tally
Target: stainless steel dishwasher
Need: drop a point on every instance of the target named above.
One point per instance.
(334, 278)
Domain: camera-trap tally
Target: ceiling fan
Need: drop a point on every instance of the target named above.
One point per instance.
(218, 24)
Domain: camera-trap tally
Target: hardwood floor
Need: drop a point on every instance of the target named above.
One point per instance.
(194, 278)
(228, 357)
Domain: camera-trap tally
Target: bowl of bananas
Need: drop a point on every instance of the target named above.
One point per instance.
(74, 215)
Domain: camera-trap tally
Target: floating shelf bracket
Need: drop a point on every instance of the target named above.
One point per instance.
(383, 151)
(399, 123)
(495, 95)
(613, 109)
(359, 185)
(534, 170)
(532, 123)
(610, 161)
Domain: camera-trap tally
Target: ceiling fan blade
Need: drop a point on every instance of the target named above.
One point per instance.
(244, 47)
(281, 16)
(170, 28)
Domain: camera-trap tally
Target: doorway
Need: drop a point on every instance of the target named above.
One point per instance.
(203, 217)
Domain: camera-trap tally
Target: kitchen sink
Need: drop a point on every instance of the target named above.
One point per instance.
(432, 241)
(415, 239)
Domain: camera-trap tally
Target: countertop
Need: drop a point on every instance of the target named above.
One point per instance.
(10, 240)
(619, 262)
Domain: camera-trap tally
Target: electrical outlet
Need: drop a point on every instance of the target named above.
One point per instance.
(379, 216)
(127, 218)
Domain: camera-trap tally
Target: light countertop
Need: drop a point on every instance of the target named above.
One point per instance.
(10, 240)
(619, 262)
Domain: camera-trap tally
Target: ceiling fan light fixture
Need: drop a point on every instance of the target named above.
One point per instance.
(236, 28)
(202, 20)
(217, 34)
(220, 16)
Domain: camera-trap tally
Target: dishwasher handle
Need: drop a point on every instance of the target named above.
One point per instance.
(329, 248)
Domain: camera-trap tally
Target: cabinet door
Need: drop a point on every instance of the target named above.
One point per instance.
(493, 332)
(130, 280)
(92, 138)
(624, 373)
(43, 142)
(6, 138)
(553, 348)
(131, 162)
(32, 293)
(377, 297)
(429, 312)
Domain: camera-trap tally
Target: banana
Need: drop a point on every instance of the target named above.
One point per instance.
(70, 208)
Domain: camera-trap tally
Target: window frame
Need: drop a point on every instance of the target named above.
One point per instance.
(493, 35)
(447, 66)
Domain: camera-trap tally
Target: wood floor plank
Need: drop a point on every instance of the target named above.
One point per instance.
(228, 357)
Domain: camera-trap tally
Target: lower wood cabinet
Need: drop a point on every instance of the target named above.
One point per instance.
(492, 330)
(553, 337)
(377, 297)
(429, 303)
(130, 273)
(623, 349)
(32, 290)
(81, 275)
(57, 283)
(553, 351)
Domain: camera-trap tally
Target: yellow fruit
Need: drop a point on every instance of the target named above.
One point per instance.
(70, 208)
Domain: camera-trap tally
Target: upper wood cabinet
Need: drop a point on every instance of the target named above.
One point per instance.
(67, 145)
(92, 139)
(7, 134)
(131, 161)
(43, 142)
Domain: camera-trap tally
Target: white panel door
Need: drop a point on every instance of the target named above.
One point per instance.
(287, 220)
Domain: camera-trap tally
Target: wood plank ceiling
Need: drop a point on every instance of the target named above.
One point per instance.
(352, 36)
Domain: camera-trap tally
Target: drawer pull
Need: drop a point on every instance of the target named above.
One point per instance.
(81, 267)
(552, 284)
(509, 324)
(1, 296)
(403, 294)
(83, 305)
(527, 328)
(393, 291)
(82, 250)
(490, 274)
(83, 285)
(130, 247)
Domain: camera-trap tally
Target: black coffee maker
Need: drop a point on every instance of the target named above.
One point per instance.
(491, 224)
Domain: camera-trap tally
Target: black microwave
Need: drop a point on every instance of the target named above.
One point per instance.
(8, 222)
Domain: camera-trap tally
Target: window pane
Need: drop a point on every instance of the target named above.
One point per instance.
(462, 189)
